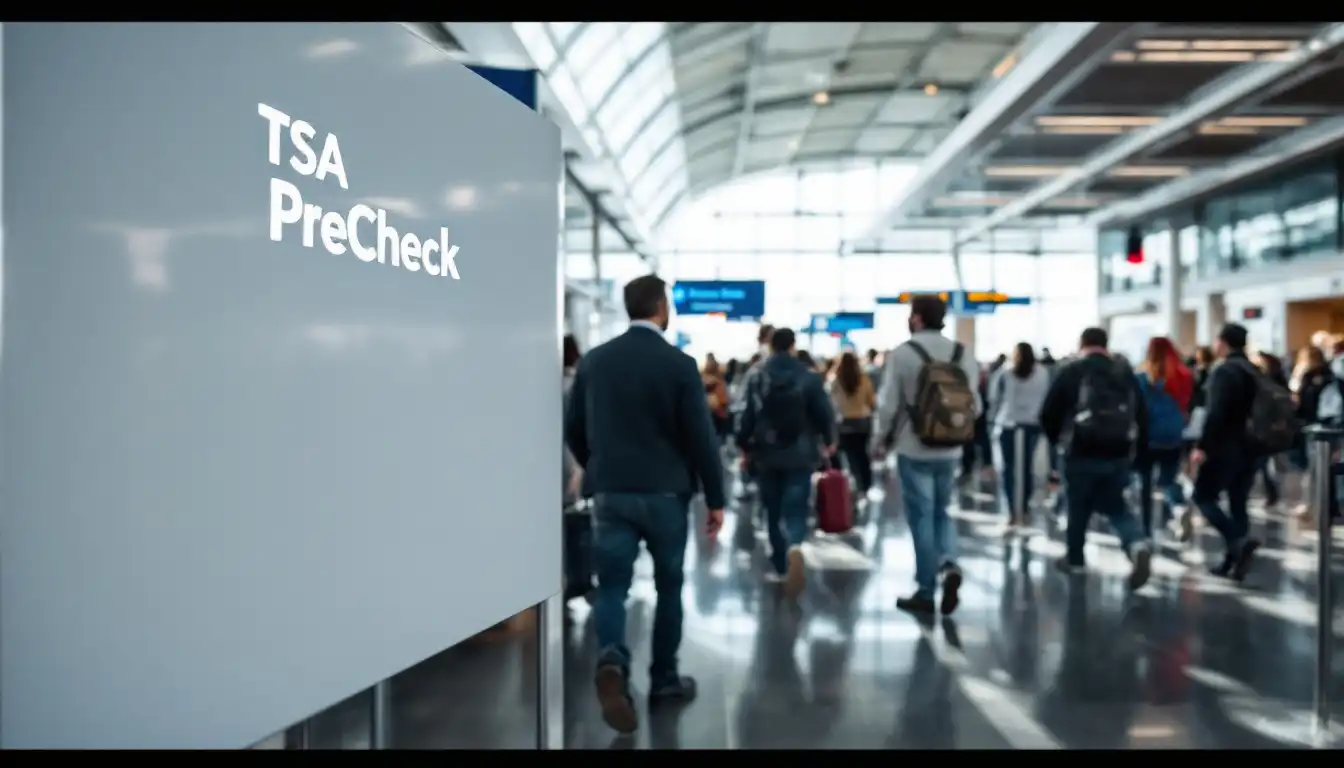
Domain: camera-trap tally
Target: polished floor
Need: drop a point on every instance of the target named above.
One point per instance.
(1032, 660)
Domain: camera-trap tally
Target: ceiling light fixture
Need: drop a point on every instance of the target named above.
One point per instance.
(1244, 45)
(987, 200)
(821, 98)
(1161, 44)
(962, 200)
(931, 90)
(1108, 125)
(1082, 130)
(1098, 120)
(1050, 171)
(1025, 171)
(1264, 121)
(1214, 129)
(1196, 57)
(1149, 171)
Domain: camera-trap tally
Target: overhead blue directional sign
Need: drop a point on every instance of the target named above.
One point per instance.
(844, 322)
(734, 299)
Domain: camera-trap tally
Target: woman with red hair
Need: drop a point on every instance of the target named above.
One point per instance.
(1168, 387)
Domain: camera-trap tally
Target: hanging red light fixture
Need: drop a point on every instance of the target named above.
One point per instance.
(1134, 246)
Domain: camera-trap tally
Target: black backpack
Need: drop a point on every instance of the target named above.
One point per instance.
(781, 415)
(1104, 418)
(1272, 424)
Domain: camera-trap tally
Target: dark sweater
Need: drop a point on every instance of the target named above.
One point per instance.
(638, 421)
(1061, 404)
(1228, 396)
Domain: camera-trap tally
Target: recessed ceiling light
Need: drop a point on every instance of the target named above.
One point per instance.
(931, 90)
(821, 98)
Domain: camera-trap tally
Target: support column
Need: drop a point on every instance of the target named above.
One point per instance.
(1171, 294)
(963, 330)
(1212, 317)
(600, 308)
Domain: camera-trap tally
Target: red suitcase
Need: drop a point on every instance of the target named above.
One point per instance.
(835, 508)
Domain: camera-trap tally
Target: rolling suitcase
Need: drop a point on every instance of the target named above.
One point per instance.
(835, 508)
(577, 554)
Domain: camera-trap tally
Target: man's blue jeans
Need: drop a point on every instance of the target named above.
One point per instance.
(785, 495)
(621, 522)
(1098, 485)
(926, 489)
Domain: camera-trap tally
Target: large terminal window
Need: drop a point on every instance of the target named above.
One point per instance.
(786, 228)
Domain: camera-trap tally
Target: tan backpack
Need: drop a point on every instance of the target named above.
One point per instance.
(943, 413)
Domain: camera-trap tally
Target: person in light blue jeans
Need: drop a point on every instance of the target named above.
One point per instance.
(926, 488)
(927, 473)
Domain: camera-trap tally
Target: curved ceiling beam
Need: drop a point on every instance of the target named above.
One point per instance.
(755, 53)
(944, 31)
(1060, 50)
(805, 100)
(635, 63)
(731, 113)
(1236, 87)
(709, 46)
(785, 103)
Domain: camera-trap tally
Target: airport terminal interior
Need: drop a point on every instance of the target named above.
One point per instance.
(1149, 179)
(1154, 179)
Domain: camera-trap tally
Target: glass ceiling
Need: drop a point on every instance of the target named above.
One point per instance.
(615, 80)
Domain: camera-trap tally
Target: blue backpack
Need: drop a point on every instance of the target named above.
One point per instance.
(1166, 421)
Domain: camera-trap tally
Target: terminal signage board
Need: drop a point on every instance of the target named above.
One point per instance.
(732, 299)
(843, 322)
(962, 302)
(985, 302)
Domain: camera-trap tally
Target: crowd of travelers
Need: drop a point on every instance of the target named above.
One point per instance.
(647, 429)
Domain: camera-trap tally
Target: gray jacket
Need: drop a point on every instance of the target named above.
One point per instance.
(1014, 401)
(900, 375)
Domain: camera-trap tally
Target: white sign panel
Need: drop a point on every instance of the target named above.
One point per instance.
(280, 385)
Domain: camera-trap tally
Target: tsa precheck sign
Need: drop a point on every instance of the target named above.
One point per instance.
(340, 232)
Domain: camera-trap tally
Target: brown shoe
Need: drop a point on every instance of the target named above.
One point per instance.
(618, 709)
(795, 578)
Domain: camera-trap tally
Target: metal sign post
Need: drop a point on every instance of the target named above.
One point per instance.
(1019, 499)
(550, 673)
(380, 715)
(1323, 479)
(299, 735)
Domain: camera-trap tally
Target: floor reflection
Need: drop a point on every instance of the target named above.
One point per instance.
(1033, 660)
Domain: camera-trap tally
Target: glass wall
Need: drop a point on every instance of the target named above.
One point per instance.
(1290, 215)
(787, 227)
